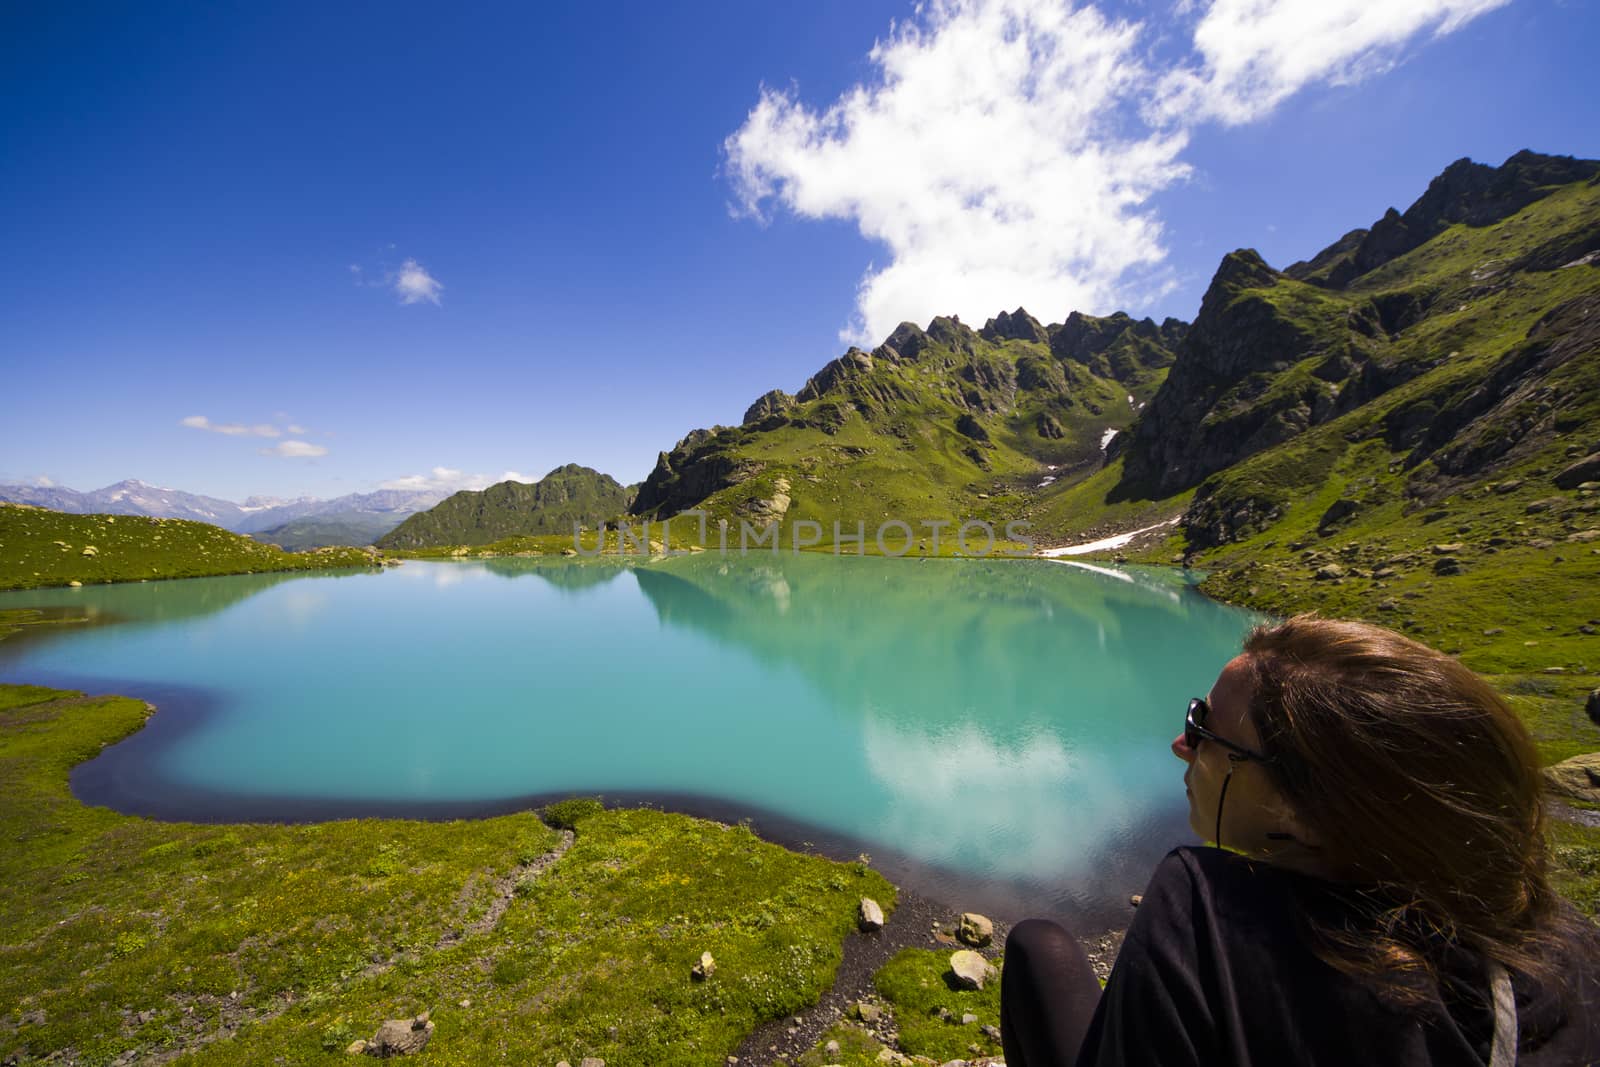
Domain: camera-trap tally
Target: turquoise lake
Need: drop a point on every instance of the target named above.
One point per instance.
(994, 733)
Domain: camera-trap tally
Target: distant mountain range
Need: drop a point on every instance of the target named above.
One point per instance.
(363, 516)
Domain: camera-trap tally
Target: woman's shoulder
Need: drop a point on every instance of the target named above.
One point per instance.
(1203, 873)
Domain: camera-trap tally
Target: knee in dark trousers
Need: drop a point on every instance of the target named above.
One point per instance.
(1048, 993)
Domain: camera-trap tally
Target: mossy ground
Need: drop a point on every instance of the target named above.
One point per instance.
(262, 944)
(926, 1017)
(41, 548)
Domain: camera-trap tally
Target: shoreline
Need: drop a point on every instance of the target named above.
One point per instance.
(116, 778)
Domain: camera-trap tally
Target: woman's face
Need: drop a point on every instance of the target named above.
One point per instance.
(1254, 808)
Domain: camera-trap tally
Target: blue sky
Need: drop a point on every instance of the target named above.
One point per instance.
(399, 244)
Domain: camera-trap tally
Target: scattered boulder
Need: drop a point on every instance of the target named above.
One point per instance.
(1586, 469)
(1542, 505)
(1510, 486)
(967, 1019)
(1390, 604)
(1578, 777)
(401, 1037)
(1384, 572)
(1329, 572)
(1450, 549)
(871, 916)
(1446, 566)
(976, 930)
(1584, 536)
(1337, 512)
(971, 970)
(89, 550)
(1592, 706)
(705, 968)
(868, 1013)
(356, 1047)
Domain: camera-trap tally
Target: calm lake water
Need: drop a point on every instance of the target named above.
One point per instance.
(993, 732)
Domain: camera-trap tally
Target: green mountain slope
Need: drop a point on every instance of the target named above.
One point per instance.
(1404, 428)
(44, 548)
(947, 422)
(319, 531)
(549, 506)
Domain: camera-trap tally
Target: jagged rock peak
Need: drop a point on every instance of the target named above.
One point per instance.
(950, 331)
(1465, 192)
(908, 340)
(1325, 258)
(1173, 331)
(775, 402)
(852, 363)
(1243, 269)
(1017, 325)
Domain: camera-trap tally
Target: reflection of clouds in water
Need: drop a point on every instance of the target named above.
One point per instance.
(441, 574)
(779, 588)
(302, 605)
(769, 581)
(1038, 810)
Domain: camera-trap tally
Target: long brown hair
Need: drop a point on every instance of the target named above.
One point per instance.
(1421, 782)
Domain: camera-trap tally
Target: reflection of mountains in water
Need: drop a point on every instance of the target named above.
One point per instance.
(573, 575)
(146, 603)
(904, 635)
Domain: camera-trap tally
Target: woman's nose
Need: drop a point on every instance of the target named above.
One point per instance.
(1181, 749)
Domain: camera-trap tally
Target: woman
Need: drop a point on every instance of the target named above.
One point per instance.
(1380, 893)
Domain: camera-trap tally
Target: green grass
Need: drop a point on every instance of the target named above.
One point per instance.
(918, 984)
(253, 943)
(45, 548)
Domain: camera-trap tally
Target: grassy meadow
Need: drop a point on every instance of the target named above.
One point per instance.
(528, 940)
(40, 548)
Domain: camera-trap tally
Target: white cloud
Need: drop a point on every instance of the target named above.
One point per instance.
(295, 449)
(449, 480)
(232, 429)
(1254, 54)
(414, 284)
(297, 430)
(44, 482)
(1006, 151)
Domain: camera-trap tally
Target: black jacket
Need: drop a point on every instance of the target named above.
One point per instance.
(1215, 970)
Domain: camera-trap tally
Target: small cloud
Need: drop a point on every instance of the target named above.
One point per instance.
(449, 480)
(298, 431)
(44, 482)
(414, 284)
(295, 449)
(232, 429)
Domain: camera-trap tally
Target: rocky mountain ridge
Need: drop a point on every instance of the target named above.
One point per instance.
(925, 416)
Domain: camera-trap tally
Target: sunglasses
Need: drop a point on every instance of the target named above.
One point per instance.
(1194, 731)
